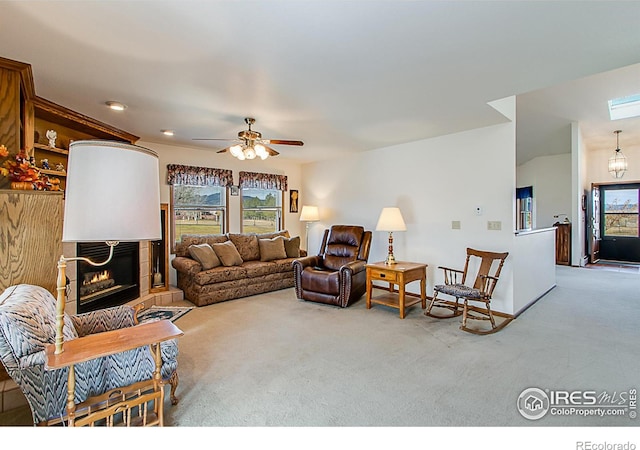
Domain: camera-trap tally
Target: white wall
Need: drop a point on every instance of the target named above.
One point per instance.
(550, 177)
(580, 190)
(433, 182)
(598, 161)
(534, 274)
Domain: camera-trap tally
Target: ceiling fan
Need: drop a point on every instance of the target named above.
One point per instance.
(250, 143)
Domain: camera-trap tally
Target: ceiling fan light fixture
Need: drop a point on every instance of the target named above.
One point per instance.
(261, 151)
(618, 162)
(249, 153)
(251, 145)
(236, 151)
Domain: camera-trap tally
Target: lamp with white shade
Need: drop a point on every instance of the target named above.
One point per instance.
(391, 220)
(112, 195)
(309, 214)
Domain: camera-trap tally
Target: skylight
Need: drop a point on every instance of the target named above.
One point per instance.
(624, 107)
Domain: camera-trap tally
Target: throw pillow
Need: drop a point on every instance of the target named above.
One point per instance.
(292, 247)
(247, 245)
(228, 254)
(204, 254)
(271, 249)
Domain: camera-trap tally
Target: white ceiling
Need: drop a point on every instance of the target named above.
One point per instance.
(342, 76)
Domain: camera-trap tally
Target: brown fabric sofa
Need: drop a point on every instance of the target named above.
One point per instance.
(253, 275)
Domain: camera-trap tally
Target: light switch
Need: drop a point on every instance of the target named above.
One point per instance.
(455, 224)
(494, 225)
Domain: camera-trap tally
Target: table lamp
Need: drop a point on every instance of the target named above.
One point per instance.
(112, 195)
(391, 220)
(309, 214)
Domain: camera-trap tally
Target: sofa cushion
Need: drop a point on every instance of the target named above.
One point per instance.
(316, 280)
(342, 246)
(204, 254)
(259, 269)
(271, 249)
(186, 240)
(283, 233)
(228, 254)
(247, 245)
(220, 274)
(292, 246)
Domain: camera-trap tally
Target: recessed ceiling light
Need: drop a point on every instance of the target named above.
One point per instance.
(624, 107)
(116, 106)
(167, 132)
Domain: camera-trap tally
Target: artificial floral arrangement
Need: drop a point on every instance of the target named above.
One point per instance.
(24, 174)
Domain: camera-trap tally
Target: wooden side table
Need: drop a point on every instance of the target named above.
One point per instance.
(108, 343)
(401, 274)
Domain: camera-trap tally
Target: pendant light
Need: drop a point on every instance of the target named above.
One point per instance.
(617, 162)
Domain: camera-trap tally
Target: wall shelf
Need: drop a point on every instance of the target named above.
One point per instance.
(51, 149)
(55, 173)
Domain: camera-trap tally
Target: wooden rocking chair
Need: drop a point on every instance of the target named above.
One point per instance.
(480, 291)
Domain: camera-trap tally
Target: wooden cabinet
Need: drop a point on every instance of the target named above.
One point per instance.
(9, 108)
(30, 238)
(563, 243)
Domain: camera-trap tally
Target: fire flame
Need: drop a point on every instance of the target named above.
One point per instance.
(101, 276)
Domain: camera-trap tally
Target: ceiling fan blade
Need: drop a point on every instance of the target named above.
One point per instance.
(282, 142)
(223, 150)
(213, 139)
(271, 151)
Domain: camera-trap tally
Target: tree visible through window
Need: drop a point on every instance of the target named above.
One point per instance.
(621, 212)
(261, 210)
(198, 210)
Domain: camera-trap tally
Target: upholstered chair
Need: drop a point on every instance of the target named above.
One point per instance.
(336, 275)
(27, 325)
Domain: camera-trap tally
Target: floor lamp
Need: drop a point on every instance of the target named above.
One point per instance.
(309, 214)
(112, 195)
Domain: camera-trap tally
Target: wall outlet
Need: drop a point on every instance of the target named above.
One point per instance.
(455, 224)
(494, 225)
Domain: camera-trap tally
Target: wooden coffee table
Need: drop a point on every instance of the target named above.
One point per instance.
(400, 274)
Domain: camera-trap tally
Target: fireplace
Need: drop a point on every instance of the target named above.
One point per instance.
(115, 283)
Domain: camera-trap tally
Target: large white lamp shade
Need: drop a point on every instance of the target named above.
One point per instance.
(112, 193)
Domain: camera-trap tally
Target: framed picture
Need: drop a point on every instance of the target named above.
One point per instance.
(235, 190)
(293, 201)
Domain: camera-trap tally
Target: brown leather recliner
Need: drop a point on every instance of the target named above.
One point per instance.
(337, 275)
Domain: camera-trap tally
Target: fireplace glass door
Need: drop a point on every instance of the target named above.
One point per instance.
(115, 283)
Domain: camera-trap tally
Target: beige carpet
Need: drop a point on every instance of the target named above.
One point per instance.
(272, 360)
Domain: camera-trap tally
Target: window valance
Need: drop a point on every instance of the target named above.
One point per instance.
(255, 180)
(198, 176)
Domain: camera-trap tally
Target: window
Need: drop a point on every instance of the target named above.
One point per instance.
(621, 212)
(198, 210)
(524, 198)
(261, 210)
(198, 200)
(624, 107)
